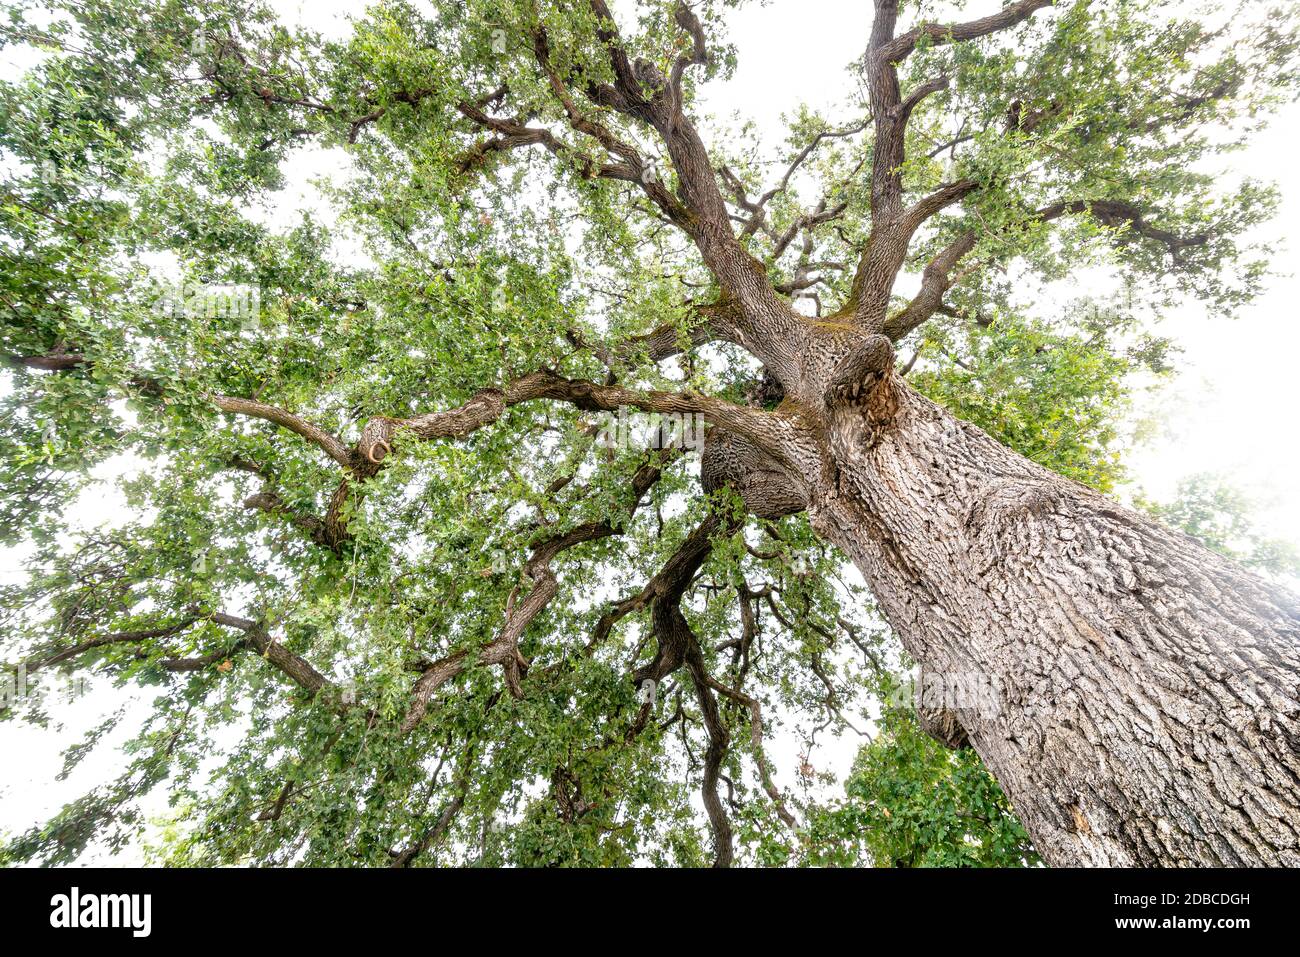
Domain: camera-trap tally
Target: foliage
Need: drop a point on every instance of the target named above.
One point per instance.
(1206, 507)
(1053, 391)
(911, 802)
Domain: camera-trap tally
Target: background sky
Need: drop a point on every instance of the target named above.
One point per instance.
(1229, 411)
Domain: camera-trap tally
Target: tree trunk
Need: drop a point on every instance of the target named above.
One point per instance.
(1134, 693)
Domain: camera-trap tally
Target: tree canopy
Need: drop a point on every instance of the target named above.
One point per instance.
(404, 588)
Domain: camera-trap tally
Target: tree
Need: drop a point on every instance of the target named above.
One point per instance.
(399, 540)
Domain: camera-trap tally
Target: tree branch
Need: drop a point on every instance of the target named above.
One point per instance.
(1114, 213)
(504, 648)
(896, 50)
(312, 433)
(935, 281)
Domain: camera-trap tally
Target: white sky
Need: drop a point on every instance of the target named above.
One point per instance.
(1230, 411)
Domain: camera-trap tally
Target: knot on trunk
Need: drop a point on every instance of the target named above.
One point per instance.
(944, 726)
(1006, 502)
(859, 397)
(735, 463)
(858, 375)
(1008, 518)
(374, 445)
(945, 700)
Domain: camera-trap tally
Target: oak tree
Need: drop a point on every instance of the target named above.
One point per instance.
(418, 559)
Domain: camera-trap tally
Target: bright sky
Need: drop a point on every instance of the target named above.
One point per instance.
(1229, 411)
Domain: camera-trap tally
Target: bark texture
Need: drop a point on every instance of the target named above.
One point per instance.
(1134, 693)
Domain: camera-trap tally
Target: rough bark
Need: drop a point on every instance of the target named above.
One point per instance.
(1134, 693)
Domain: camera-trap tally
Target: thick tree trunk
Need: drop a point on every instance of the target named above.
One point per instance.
(1134, 693)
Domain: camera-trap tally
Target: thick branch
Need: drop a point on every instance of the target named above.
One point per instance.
(896, 50)
(1115, 213)
(936, 280)
(891, 226)
(940, 276)
(487, 406)
(767, 325)
(281, 658)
